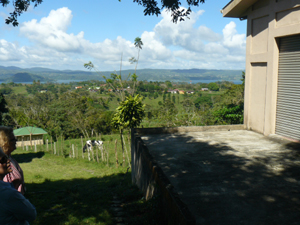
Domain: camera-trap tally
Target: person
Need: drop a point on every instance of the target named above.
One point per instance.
(8, 144)
(15, 209)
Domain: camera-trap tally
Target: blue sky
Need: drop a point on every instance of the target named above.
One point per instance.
(65, 34)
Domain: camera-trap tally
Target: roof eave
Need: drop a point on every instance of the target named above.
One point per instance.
(237, 8)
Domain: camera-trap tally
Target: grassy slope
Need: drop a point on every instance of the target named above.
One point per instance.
(19, 90)
(71, 191)
(77, 191)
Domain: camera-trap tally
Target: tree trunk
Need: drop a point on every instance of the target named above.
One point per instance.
(122, 143)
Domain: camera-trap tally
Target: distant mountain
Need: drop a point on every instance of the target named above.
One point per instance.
(45, 74)
(25, 77)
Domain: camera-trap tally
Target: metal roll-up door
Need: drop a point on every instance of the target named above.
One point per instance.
(288, 95)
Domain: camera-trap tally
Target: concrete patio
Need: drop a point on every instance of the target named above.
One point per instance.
(219, 175)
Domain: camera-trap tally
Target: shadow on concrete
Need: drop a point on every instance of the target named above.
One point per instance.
(27, 157)
(237, 179)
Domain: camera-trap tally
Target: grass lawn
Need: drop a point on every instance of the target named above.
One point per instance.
(68, 190)
(20, 90)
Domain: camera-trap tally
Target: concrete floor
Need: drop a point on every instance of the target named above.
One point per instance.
(231, 177)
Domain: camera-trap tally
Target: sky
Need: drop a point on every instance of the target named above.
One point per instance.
(65, 34)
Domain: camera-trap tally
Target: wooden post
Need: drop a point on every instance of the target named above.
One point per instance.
(35, 150)
(122, 143)
(73, 151)
(61, 144)
(89, 154)
(30, 142)
(77, 152)
(93, 155)
(23, 142)
(97, 156)
(54, 148)
(101, 149)
(47, 145)
(70, 152)
(27, 148)
(126, 153)
(107, 156)
(51, 145)
(116, 153)
(82, 147)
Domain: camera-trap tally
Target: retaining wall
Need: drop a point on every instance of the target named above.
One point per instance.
(149, 177)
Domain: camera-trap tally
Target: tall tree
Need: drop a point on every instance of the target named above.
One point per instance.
(3, 107)
(151, 8)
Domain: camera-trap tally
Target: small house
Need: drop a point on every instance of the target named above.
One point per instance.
(29, 136)
(78, 87)
(204, 89)
(181, 92)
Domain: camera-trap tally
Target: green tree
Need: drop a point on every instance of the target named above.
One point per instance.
(3, 107)
(129, 114)
(213, 86)
(138, 44)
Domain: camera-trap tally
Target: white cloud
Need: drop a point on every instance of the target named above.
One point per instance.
(168, 45)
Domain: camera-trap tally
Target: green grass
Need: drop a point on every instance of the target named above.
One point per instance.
(19, 90)
(68, 190)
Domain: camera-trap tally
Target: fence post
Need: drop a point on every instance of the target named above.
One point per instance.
(116, 153)
(82, 147)
(61, 143)
(54, 148)
(51, 145)
(26, 148)
(101, 149)
(23, 142)
(73, 151)
(93, 155)
(89, 154)
(97, 156)
(77, 155)
(35, 150)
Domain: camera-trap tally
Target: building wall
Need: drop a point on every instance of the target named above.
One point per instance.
(268, 20)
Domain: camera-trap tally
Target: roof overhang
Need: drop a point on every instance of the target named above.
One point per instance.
(237, 8)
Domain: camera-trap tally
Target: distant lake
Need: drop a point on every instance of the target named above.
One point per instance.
(210, 81)
(200, 81)
(192, 81)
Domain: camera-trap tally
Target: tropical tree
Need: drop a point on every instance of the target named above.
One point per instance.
(129, 114)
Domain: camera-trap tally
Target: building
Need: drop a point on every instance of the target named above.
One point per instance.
(204, 89)
(175, 91)
(29, 136)
(190, 92)
(272, 83)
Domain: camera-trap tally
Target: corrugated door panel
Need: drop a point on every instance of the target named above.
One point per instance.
(288, 96)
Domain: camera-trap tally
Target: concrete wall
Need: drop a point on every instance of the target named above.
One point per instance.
(149, 177)
(268, 20)
(152, 181)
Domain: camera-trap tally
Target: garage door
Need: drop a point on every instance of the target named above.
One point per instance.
(288, 96)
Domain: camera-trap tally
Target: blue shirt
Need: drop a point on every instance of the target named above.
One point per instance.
(15, 209)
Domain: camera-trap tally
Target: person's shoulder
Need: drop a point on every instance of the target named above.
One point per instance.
(6, 189)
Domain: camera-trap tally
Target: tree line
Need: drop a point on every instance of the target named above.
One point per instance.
(62, 109)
